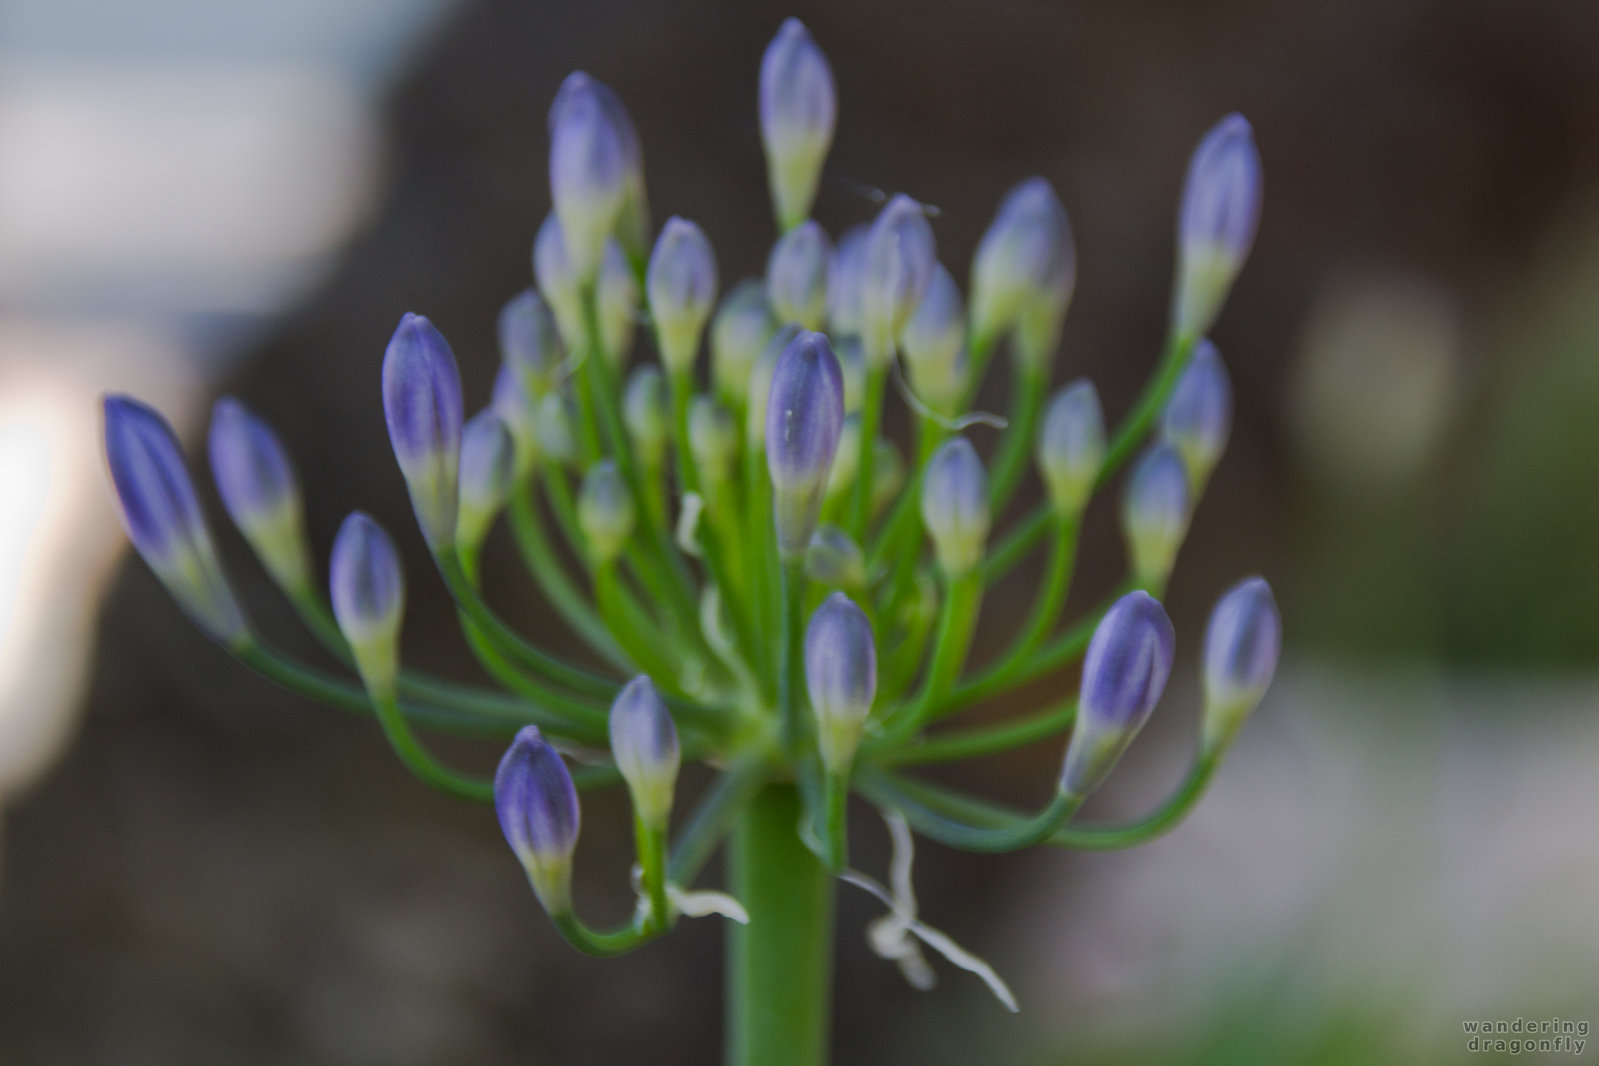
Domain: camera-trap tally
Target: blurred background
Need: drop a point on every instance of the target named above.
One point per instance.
(200, 196)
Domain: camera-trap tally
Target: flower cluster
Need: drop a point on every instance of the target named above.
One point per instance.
(766, 582)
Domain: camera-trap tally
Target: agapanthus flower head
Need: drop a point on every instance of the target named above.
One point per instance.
(713, 440)
(798, 108)
(899, 261)
(1242, 645)
(804, 416)
(488, 473)
(163, 519)
(796, 275)
(558, 282)
(1199, 415)
(1026, 262)
(605, 510)
(760, 386)
(739, 332)
(645, 746)
(646, 412)
(422, 403)
(537, 805)
(260, 491)
(594, 154)
(1216, 223)
(934, 345)
(1124, 674)
(841, 676)
(682, 289)
(516, 407)
(529, 341)
(617, 295)
(845, 281)
(1071, 447)
(367, 587)
(1156, 507)
(834, 560)
(955, 506)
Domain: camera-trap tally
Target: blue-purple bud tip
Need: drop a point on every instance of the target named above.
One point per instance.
(841, 676)
(488, 473)
(1242, 645)
(798, 109)
(934, 345)
(559, 284)
(796, 275)
(422, 402)
(804, 416)
(367, 586)
(593, 155)
(259, 489)
(1124, 674)
(1216, 224)
(955, 506)
(834, 560)
(681, 285)
(1027, 256)
(529, 341)
(1155, 511)
(645, 745)
(1199, 414)
(1071, 447)
(163, 519)
(537, 804)
(739, 332)
(605, 511)
(844, 282)
(647, 415)
(900, 256)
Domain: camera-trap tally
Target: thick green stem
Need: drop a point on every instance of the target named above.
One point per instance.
(779, 967)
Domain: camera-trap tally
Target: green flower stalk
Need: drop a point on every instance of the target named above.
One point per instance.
(767, 583)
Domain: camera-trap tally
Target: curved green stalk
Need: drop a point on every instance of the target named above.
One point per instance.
(602, 944)
(537, 554)
(990, 835)
(983, 740)
(419, 761)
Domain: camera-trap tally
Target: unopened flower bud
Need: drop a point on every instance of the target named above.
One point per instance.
(258, 486)
(645, 746)
(934, 345)
(1026, 258)
(713, 439)
(593, 151)
(488, 473)
(422, 403)
(1242, 643)
(1124, 674)
(834, 559)
(537, 804)
(616, 293)
(739, 332)
(557, 429)
(682, 290)
(1155, 512)
(1071, 447)
(760, 386)
(1216, 223)
(558, 282)
(900, 256)
(804, 416)
(162, 516)
(646, 411)
(847, 461)
(1199, 414)
(796, 275)
(529, 341)
(844, 282)
(841, 676)
(605, 511)
(852, 361)
(799, 107)
(367, 587)
(955, 505)
(515, 406)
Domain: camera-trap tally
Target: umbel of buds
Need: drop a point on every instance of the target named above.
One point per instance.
(780, 559)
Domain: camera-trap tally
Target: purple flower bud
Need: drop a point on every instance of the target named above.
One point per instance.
(529, 343)
(258, 486)
(644, 744)
(852, 360)
(841, 676)
(368, 593)
(1242, 644)
(900, 255)
(796, 275)
(593, 156)
(558, 282)
(1124, 673)
(1216, 224)
(834, 559)
(682, 289)
(760, 387)
(515, 405)
(647, 413)
(422, 402)
(955, 505)
(739, 332)
(1199, 414)
(537, 804)
(712, 439)
(616, 292)
(1155, 512)
(844, 282)
(488, 473)
(799, 107)
(934, 345)
(1071, 447)
(163, 518)
(605, 511)
(804, 415)
(1026, 257)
